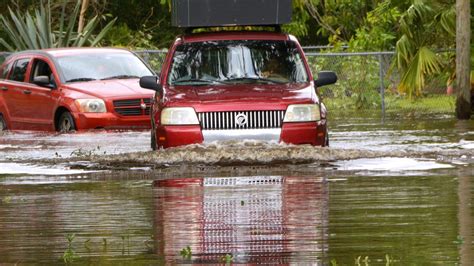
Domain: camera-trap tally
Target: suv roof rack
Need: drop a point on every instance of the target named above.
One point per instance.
(264, 28)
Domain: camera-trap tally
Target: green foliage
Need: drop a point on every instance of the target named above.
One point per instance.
(122, 35)
(424, 63)
(336, 20)
(35, 31)
(378, 32)
(358, 82)
(186, 253)
(6, 200)
(395, 104)
(459, 240)
(423, 26)
(300, 18)
(359, 261)
(69, 255)
(227, 259)
(149, 27)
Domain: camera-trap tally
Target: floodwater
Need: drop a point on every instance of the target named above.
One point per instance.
(366, 209)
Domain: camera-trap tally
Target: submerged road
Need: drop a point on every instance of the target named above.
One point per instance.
(443, 140)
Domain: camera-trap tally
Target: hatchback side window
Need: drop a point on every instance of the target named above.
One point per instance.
(19, 70)
(5, 70)
(41, 68)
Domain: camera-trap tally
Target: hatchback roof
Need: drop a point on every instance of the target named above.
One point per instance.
(58, 52)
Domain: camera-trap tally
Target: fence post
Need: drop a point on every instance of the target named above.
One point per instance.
(382, 89)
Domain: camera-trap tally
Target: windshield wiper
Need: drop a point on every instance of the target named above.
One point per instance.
(255, 79)
(80, 79)
(202, 81)
(121, 77)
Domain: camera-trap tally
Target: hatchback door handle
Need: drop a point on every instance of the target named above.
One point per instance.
(27, 92)
(3, 88)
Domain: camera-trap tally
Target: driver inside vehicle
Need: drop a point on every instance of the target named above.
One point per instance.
(273, 69)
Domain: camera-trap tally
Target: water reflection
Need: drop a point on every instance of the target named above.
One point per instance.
(466, 251)
(264, 219)
(148, 219)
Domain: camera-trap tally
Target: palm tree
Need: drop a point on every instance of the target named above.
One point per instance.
(423, 25)
(35, 31)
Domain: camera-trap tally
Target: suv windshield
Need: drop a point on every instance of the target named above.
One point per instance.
(236, 62)
(101, 66)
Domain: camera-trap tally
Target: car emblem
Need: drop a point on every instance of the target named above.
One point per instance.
(241, 119)
(143, 106)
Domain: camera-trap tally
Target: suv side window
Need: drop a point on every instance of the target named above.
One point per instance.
(19, 70)
(41, 68)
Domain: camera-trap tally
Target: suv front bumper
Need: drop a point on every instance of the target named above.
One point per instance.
(313, 133)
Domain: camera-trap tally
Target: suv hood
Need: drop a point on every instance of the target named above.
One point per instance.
(246, 93)
(111, 88)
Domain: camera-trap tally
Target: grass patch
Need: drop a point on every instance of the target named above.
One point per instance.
(436, 104)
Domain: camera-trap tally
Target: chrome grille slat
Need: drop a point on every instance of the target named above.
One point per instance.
(255, 120)
(132, 107)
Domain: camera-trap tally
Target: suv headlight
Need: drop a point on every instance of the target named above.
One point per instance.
(179, 116)
(91, 105)
(302, 113)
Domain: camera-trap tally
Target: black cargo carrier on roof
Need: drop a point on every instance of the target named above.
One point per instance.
(213, 13)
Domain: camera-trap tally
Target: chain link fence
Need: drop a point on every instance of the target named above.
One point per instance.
(367, 84)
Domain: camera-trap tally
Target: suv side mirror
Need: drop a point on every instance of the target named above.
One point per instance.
(42, 81)
(151, 83)
(325, 78)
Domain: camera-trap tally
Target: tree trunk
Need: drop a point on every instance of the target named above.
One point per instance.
(463, 37)
(82, 14)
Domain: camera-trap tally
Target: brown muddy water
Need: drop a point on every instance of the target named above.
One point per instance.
(383, 194)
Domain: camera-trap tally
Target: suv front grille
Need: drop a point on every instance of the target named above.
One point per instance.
(241, 120)
(132, 107)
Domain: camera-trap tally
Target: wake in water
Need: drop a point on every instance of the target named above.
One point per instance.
(259, 153)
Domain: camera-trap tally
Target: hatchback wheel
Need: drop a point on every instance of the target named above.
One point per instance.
(3, 124)
(66, 123)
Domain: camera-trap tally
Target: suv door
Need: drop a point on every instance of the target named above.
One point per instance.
(43, 97)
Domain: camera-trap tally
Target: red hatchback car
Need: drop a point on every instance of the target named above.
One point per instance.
(235, 86)
(74, 89)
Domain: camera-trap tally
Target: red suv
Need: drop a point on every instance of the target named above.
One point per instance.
(74, 89)
(234, 86)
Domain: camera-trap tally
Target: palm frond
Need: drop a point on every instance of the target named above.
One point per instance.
(4, 43)
(405, 52)
(424, 63)
(102, 34)
(69, 34)
(447, 20)
(415, 17)
(34, 30)
(86, 32)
